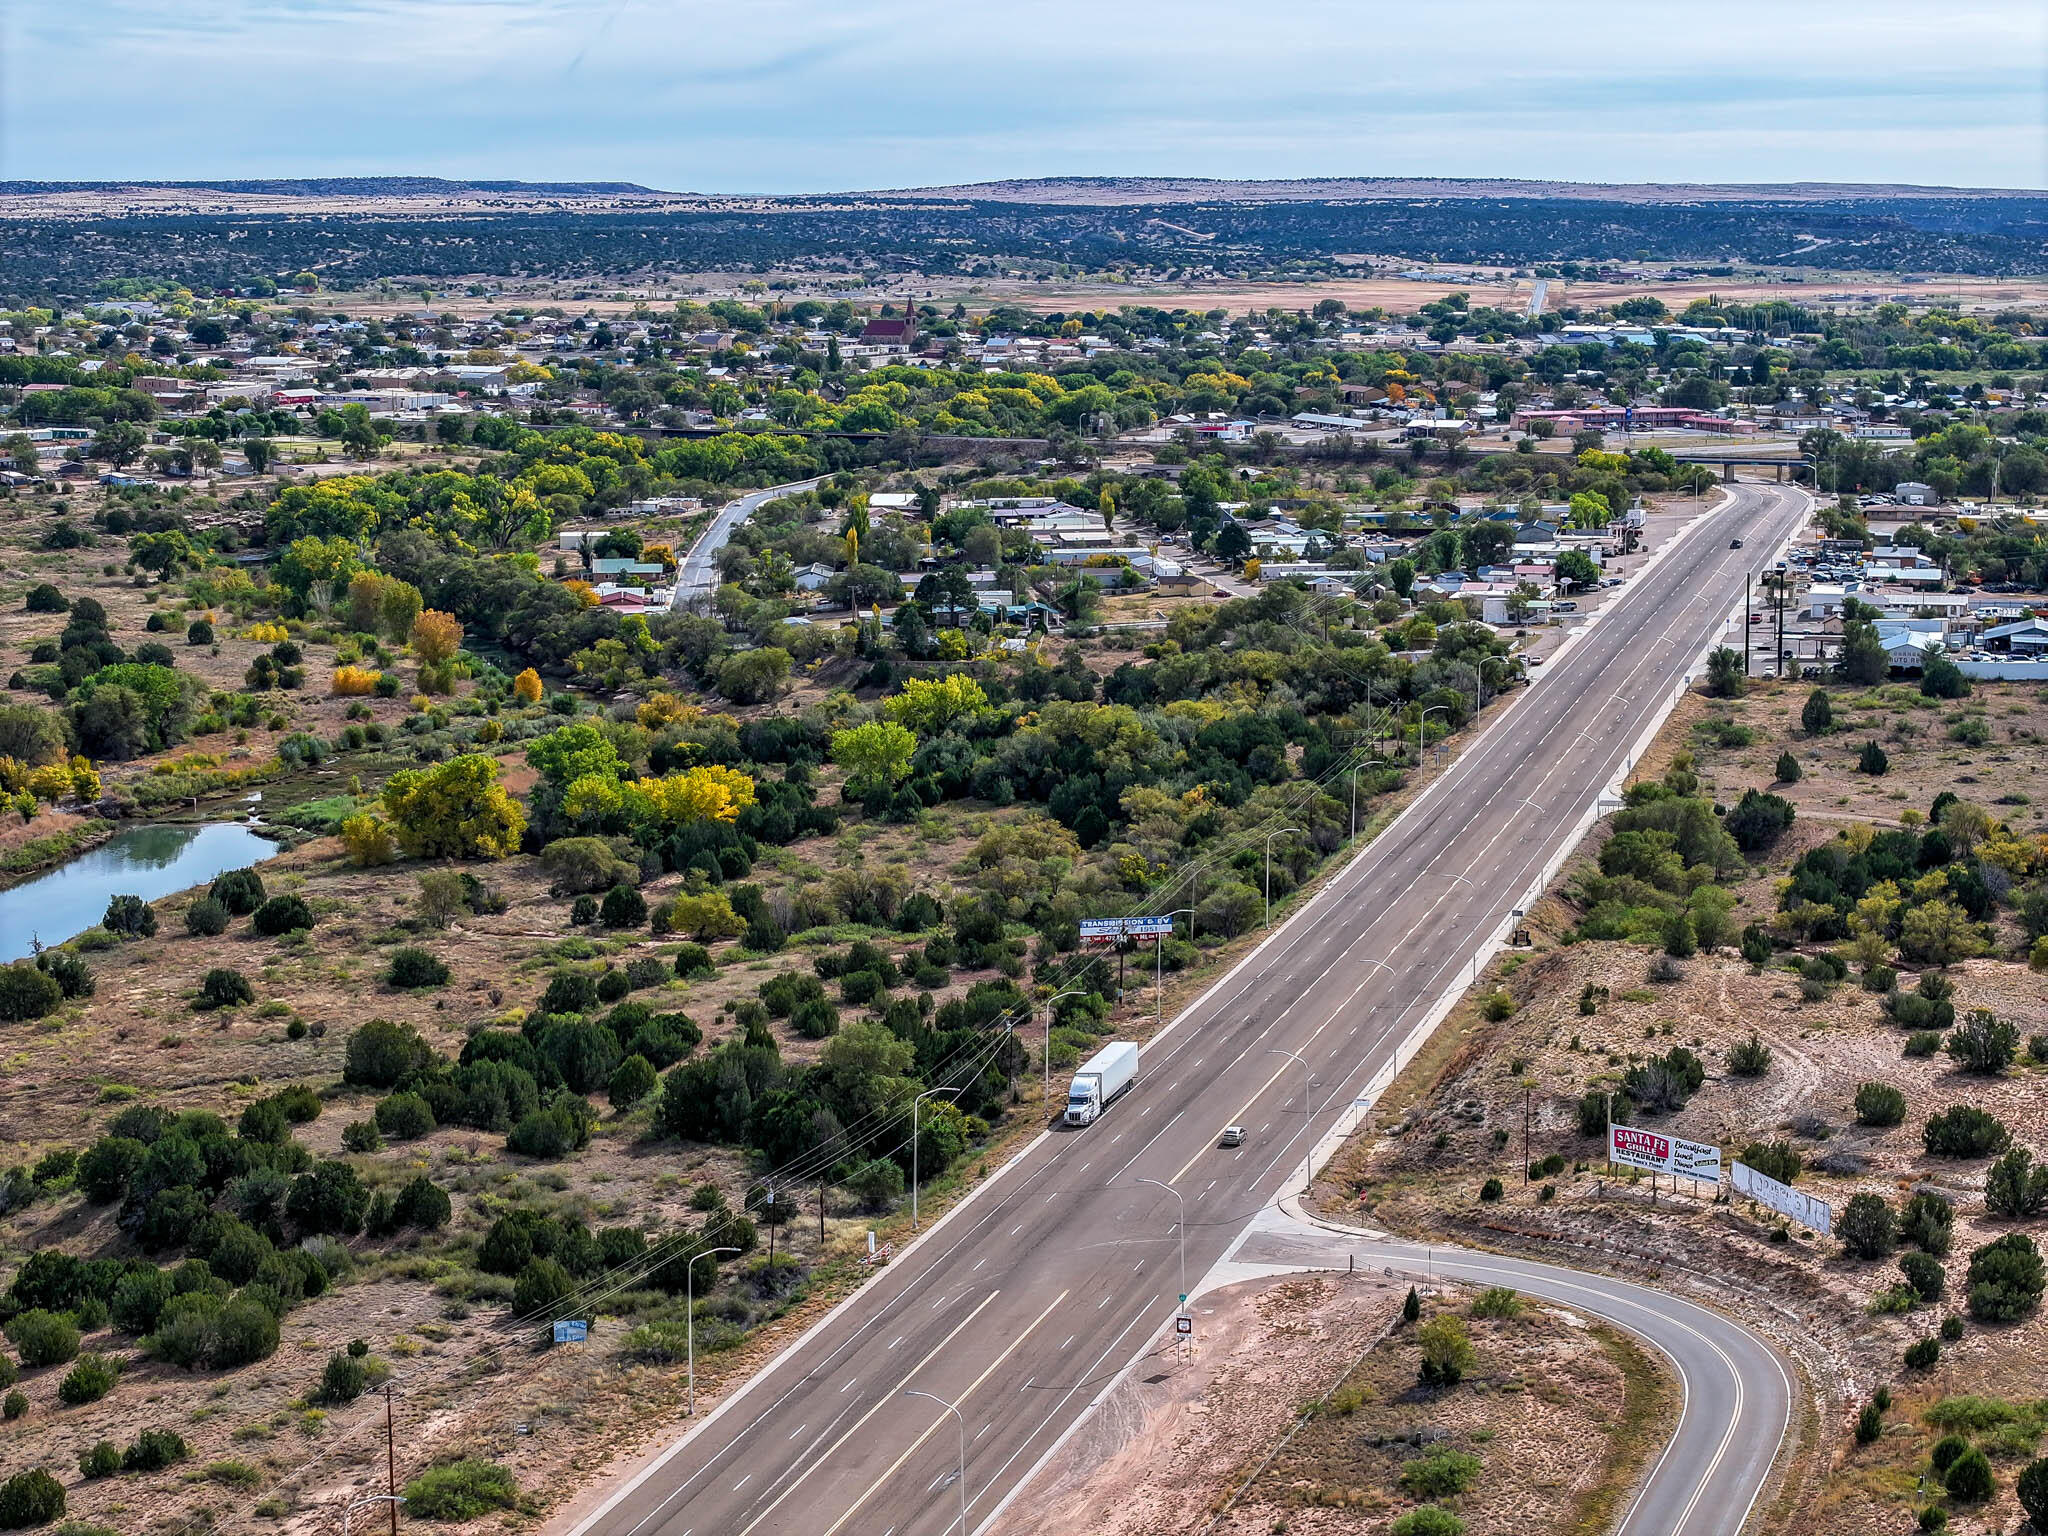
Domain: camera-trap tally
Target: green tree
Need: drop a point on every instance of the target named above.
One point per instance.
(1447, 1352)
(455, 809)
(1725, 678)
(874, 755)
(1817, 717)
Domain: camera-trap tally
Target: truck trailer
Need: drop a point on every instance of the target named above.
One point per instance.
(1101, 1080)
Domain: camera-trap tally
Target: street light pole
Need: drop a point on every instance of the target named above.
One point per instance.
(1422, 720)
(393, 1499)
(1159, 962)
(913, 1392)
(1183, 1231)
(1309, 1177)
(690, 1314)
(928, 1093)
(1269, 868)
(1069, 992)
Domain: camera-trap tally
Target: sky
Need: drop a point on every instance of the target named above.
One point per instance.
(777, 96)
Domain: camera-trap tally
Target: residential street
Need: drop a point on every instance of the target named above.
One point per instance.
(1025, 1303)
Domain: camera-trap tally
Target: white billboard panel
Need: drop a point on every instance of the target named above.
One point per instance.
(1695, 1159)
(1814, 1214)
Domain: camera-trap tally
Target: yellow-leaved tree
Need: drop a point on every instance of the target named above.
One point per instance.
(454, 810)
(927, 705)
(526, 686)
(711, 793)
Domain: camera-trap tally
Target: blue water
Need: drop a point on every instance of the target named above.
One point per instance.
(141, 861)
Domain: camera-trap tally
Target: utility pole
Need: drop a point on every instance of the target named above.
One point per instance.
(390, 1460)
(821, 1213)
(1778, 661)
(1746, 578)
(1525, 1134)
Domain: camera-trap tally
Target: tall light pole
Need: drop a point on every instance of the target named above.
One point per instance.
(690, 1314)
(1269, 868)
(393, 1499)
(1182, 1229)
(1069, 992)
(1422, 720)
(913, 1392)
(1309, 1177)
(1159, 962)
(928, 1093)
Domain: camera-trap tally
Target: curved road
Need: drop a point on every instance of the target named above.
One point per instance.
(698, 577)
(1736, 1393)
(1024, 1304)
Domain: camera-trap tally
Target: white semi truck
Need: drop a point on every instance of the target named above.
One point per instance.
(1101, 1079)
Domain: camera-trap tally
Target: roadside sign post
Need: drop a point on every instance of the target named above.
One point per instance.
(571, 1330)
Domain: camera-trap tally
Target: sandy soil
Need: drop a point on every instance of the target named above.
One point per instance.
(1299, 1408)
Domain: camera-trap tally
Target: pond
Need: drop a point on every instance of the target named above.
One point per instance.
(148, 861)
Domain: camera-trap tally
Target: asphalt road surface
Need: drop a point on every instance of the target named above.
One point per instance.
(1026, 1302)
(698, 577)
(1736, 1397)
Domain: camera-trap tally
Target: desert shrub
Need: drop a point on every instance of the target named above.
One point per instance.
(361, 1136)
(569, 992)
(1951, 1328)
(42, 1337)
(1928, 1223)
(103, 1459)
(693, 960)
(1447, 1352)
(1774, 1159)
(1662, 1085)
(1439, 1474)
(1946, 1450)
(622, 907)
(1496, 1301)
(815, 1020)
(30, 1498)
(344, 1379)
(206, 918)
(328, 1198)
(1491, 1191)
(27, 993)
(404, 1117)
(281, 915)
(13, 1405)
(415, 967)
(91, 1379)
(460, 1490)
(239, 890)
(1922, 1042)
(2031, 1488)
(421, 1203)
(382, 1054)
(1868, 1229)
(224, 987)
(1428, 1520)
(1869, 1424)
(1983, 1043)
(1879, 1104)
(632, 1080)
(1923, 1272)
(2017, 1187)
(1749, 1058)
(784, 993)
(545, 1134)
(2005, 1279)
(129, 916)
(1922, 1354)
(1964, 1130)
(1968, 1478)
(153, 1450)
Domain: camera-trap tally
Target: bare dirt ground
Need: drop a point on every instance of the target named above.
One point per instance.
(1457, 1116)
(1299, 1410)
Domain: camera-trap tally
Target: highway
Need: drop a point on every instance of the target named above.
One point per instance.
(698, 577)
(1024, 1303)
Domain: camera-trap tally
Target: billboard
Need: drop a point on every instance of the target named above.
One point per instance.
(1107, 930)
(1638, 1148)
(1635, 1147)
(1816, 1215)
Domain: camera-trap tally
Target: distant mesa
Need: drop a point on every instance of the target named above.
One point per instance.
(345, 186)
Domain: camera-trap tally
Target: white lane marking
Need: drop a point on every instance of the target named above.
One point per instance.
(1070, 1339)
(798, 1430)
(736, 1487)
